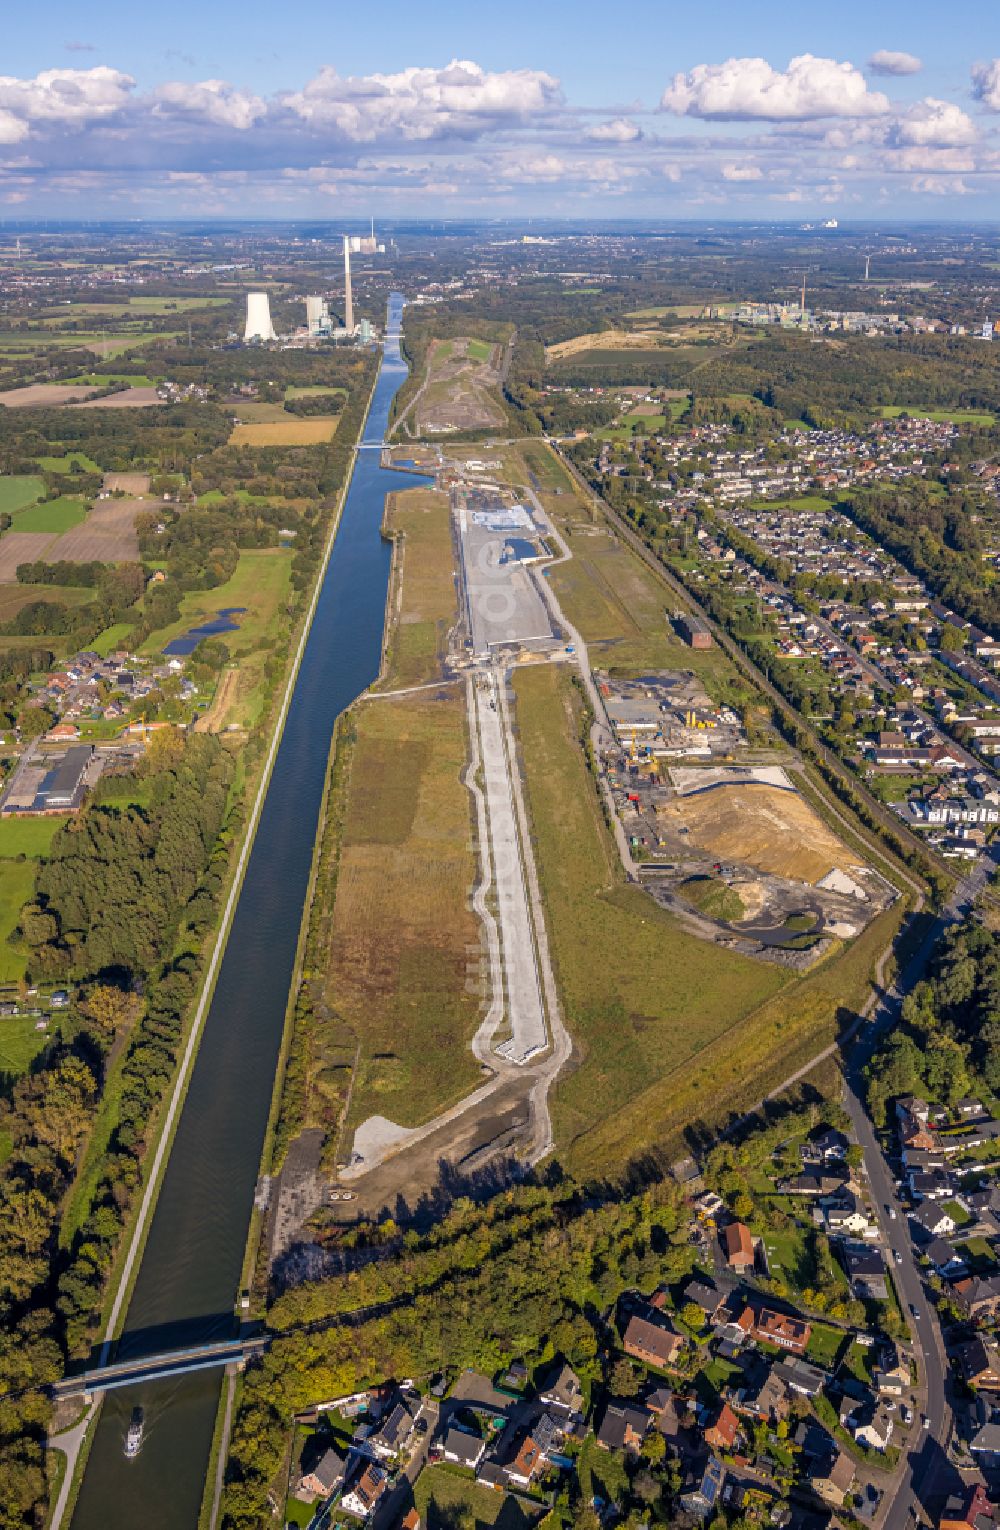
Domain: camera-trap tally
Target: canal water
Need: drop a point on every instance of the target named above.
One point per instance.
(188, 1280)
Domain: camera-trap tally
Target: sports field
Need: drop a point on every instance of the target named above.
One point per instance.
(403, 933)
(424, 591)
(287, 432)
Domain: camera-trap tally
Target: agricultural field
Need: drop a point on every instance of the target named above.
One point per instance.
(403, 932)
(20, 547)
(665, 1038)
(424, 587)
(54, 515)
(289, 431)
(106, 535)
(17, 884)
(44, 396)
(610, 340)
(17, 491)
(947, 416)
(69, 462)
(30, 837)
(13, 597)
(131, 398)
(316, 391)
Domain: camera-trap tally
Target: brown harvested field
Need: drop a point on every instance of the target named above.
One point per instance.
(39, 395)
(13, 597)
(21, 547)
(610, 340)
(770, 828)
(136, 484)
(132, 398)
(106, 536)
(291, 432)
(403, 933)
(424, 600)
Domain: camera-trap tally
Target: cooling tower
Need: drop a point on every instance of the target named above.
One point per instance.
(259, 326)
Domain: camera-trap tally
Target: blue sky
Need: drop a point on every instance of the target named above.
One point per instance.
(720, 110)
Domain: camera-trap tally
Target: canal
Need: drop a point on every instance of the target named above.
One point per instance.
(187, 1285)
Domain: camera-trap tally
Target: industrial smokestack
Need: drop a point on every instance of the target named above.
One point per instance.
(348, 299)
(259, 326)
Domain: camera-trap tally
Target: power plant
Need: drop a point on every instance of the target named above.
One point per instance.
(259, 326)
(317, 316)
(348, 299)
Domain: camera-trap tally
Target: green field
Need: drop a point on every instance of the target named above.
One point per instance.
(480, 350)
(66, 463)
(27, 836)
(402, 927)
(55, 515)
(260, 583)
(945, 416)
(111, 638)
(17, 883)
(314, 392)
(105, 379)
(542, 461)
(20, 1044)
(19, 490)
(418, 640)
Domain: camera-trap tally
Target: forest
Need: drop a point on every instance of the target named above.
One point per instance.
(123, 908)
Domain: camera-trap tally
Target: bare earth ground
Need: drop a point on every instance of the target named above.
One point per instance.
(136, 484)
(106, 536)
(134, 398)
(610, 340)
(36, 395)
(213, 719)
(20, 547)
(457, 393)
(774, 830)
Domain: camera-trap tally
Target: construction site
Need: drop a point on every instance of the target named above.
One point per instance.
(726, 840)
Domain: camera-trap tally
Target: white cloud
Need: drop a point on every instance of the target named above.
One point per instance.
(749, 88)
(986, 84)
(671, 172)
(742, 173)
(934, 123)
(618, 131)
(940, 186)
(67, 95)
(212, 101)
(419, 103)
(885, 61)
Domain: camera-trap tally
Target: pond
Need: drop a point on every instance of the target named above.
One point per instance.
(221, 622)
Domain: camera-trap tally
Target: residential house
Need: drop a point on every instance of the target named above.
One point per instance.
(891, 1375)
(737, 1245)
(703, 1492)
(930, 1184)
(562, 1393)
(848, 1214)
(362, 1498)
(968, 1510)
(871, 1426)
(985, 1444)
(978, 1296)
(532, 1453)
(767, 1400)
(624, 1426)
(392, 1434)
(327, 1474)
(979, 1364)
(651, 1340)
(866, 1272)
(832, 1478)
(943, 1257)
(778, 1328)
(932, 1220)
(801, 1377)
(705, 1296)
(722, 1431)
(463, 1448)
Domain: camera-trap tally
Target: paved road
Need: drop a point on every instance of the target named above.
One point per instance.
(924, 1463)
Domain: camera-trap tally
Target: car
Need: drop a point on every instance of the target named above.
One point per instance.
(914, 1313)
(925, 1422)
(905, 1414)
(897, 1256)
(892, 1213)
